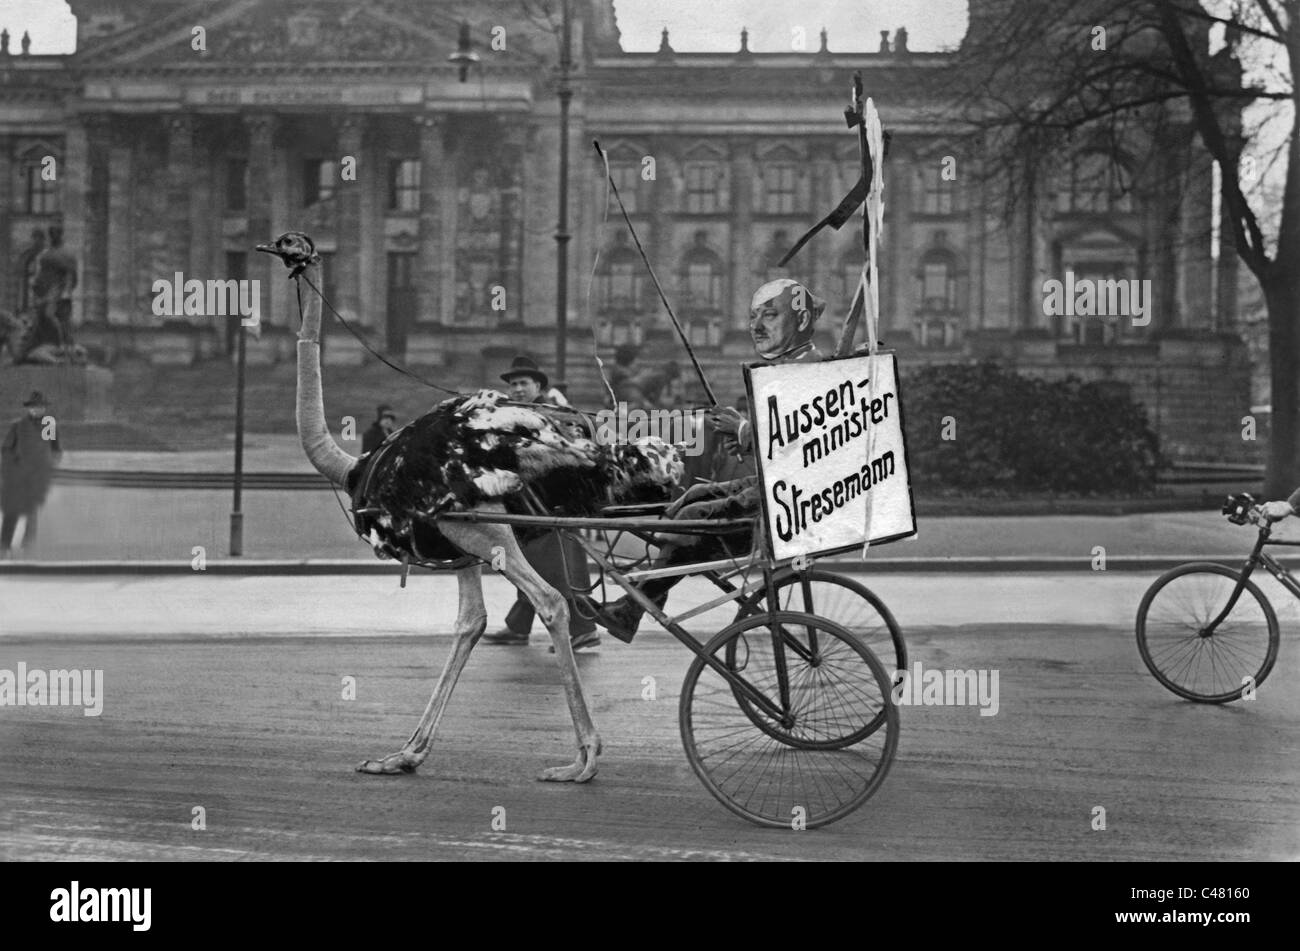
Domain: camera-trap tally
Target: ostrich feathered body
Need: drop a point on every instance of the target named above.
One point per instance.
(481, 448)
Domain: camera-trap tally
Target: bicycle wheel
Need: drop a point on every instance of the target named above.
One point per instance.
(828, 745)
(1173, 635)
(846, 602)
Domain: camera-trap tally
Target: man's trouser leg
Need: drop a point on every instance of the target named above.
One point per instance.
(29, 529)
(8, 522)
(550, 555)
(520, 616)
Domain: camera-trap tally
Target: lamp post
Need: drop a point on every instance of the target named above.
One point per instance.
(236, 513)
(562, 236)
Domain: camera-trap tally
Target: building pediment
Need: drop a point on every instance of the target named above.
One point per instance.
(261, 32)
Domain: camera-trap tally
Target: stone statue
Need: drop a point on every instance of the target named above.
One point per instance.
(50, 337)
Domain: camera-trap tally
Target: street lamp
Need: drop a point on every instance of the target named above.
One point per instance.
(236, 513)
(562, 236)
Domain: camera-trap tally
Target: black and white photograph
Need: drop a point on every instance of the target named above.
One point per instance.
(651, 431)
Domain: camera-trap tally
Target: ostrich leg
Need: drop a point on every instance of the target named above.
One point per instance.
(471, 620)
(480, 540)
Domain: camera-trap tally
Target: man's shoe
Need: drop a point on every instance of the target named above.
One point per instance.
(505, 638)
(579, 641)
(621, 618)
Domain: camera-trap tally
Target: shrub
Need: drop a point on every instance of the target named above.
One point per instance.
(1025, 434)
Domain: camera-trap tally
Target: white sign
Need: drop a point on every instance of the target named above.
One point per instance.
(832, 462)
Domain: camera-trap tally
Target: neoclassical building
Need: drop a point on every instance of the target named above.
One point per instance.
(184, 133)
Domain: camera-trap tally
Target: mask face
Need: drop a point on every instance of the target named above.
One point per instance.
(775, 327)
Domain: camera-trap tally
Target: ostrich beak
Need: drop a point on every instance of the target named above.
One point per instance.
(269, 249)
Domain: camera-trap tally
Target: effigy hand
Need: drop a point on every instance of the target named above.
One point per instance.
(725, 420)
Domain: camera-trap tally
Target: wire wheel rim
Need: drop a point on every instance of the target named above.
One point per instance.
(1172, 634)
(842, 601)
(761, 776)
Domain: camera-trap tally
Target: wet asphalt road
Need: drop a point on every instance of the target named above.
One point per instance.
(254, 730)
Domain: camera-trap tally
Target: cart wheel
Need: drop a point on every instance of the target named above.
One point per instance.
(821, 750)
(1197, 664)
(850, 605)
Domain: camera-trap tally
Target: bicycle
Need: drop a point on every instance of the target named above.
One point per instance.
(1206, 631)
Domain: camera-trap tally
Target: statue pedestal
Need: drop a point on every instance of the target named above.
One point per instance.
(72, 393)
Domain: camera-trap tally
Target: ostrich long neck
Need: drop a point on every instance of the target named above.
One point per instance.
(325, 455)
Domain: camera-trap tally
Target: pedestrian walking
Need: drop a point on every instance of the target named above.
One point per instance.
(28, 455)
(385, 422)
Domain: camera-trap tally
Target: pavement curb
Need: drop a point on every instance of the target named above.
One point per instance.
(1061, 564)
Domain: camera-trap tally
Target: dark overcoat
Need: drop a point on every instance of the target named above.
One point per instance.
(26, 466)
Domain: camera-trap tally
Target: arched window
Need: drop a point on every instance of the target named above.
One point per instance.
(937, 279)
(627, 178)
(1094, 183)
(618, 279)
(780, 188)
(39, 182)
(703, 187)
(938, 194)
(703, 278)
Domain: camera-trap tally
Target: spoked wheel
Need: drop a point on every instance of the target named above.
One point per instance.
(850, 605)
(1187, 656)
(820, 730)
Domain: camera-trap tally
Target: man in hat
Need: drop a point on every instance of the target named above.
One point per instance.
(551, 553)
(782, 318)
(28, 455)
(385, 422)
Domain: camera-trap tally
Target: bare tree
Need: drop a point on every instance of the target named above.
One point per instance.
(1039, 78)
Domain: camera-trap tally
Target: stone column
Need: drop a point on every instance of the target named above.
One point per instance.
(74, 173)
(901, 255)
(125, 225)
(815, 268)
(348, 259)
(432, 259)
(742, 226)
(203, 209)
(261, 267)
(9, 277)
(94, 253)
(654, 208)
(1022, 261)
(514, 175)
(180, 188)
(968, 171)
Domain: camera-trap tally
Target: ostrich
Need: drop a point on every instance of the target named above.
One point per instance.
(477, 452)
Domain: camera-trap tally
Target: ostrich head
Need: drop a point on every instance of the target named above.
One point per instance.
(295, 249)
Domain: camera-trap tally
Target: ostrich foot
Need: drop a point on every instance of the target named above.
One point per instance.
(402, 761)
(579, 771)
